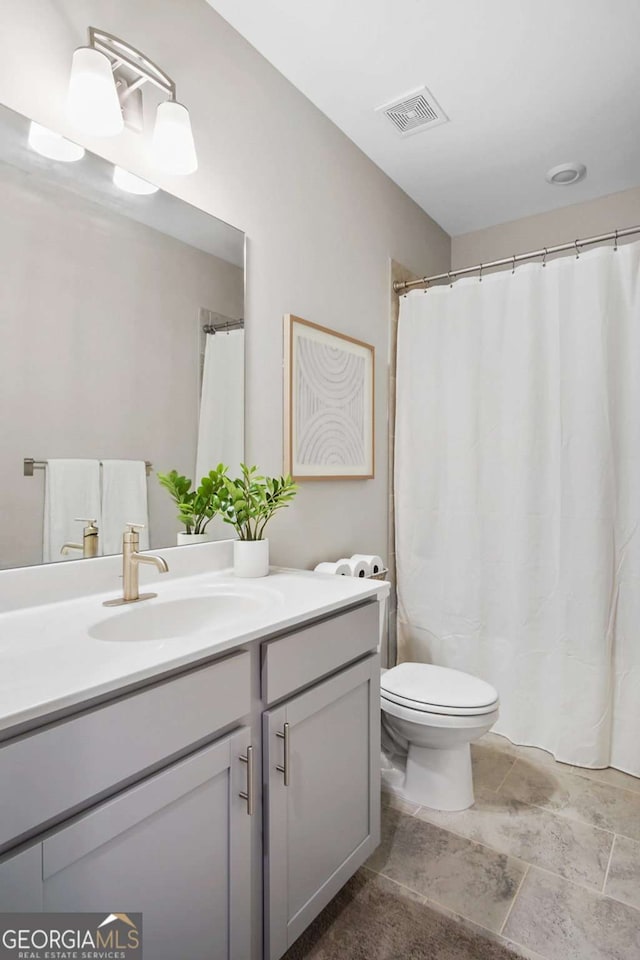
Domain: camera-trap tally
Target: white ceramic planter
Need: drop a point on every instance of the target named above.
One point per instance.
(251, 558)
(190, 538)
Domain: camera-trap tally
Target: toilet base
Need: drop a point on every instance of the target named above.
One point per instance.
(392, 773)
(439, 778)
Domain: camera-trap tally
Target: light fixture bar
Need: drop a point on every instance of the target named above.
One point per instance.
(119, 52)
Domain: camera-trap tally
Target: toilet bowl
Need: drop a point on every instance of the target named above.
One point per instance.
(430, 717)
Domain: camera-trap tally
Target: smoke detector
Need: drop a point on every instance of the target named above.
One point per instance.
(565, 174)
(414, 112)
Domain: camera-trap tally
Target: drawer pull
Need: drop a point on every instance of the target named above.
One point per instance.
(285, 767)
(249, 796)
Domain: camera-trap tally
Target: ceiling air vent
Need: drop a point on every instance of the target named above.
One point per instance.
(414, 112)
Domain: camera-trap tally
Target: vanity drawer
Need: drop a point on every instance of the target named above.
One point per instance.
(46, 774)
(304, 657)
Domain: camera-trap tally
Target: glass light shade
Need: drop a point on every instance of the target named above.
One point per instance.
(172, 144)
(92, 101)
(132, 184)
(53, 145)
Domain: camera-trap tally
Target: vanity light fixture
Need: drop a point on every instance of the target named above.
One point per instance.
(130, 183)
(173, 147)
(92, 102)
(53, 145)
(105, 93)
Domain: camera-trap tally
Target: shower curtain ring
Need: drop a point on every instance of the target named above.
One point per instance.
(577, 249)
(450, 280)
(480, 274)
(615, 245)
(544, 257)
(513, 268)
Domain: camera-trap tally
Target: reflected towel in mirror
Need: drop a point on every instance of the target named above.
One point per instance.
(124, 500)
(221, 426)
(72, 490)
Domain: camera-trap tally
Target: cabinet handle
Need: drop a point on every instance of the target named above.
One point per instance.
(249, 796)
(285, 767)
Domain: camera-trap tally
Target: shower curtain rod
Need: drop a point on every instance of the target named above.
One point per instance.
(223, 325)
(401, 285)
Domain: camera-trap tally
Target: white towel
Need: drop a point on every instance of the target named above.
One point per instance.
(124, 500)
(221, 426)
(72, 489)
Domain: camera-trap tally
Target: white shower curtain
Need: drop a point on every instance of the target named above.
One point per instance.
(221, 423)
(517, 473)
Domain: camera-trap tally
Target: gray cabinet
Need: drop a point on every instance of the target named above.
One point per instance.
(123, 826)
(176, 848)
(21, 882)
(322, 797)
(83, 757)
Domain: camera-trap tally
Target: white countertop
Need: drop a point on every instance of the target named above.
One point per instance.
(50, 662)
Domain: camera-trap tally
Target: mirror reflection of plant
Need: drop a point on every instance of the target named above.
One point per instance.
(196, 507)
(248, 502)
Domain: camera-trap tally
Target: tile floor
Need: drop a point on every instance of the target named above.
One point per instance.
(547, 861)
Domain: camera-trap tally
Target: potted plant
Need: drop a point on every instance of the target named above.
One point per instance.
(196, 507)
(248, 503)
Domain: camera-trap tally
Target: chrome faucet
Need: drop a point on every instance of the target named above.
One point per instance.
(131, 560)
(90, 546)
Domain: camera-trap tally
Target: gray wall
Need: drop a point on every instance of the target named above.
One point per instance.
(322, 220)
(99, 347)
(547, 229)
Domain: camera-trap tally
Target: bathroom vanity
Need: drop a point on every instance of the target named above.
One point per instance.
(223, 782)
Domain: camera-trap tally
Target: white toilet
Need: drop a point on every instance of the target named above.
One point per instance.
(430, 717)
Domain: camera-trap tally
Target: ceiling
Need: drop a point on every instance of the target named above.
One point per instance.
(526, 84)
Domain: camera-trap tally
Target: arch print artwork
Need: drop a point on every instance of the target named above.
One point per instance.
(329, 403)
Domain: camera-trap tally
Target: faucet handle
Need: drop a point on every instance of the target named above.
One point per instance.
(131, 534)
(91, 521)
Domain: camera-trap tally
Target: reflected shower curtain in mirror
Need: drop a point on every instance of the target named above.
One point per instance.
(517, 491)
(221, 424)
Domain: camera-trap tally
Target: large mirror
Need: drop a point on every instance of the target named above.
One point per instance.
(121, 350)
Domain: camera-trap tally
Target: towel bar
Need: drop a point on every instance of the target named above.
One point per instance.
(30, 465)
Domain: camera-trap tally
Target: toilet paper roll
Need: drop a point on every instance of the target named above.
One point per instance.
(341, 568)
(374, 564)
(356, 567)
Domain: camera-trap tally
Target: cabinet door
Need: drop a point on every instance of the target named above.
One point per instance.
(176, 848)
(322, 773)
(21, 882)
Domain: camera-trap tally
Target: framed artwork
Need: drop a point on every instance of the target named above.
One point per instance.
(328, 404)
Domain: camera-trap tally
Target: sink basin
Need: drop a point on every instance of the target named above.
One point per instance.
(172, 619)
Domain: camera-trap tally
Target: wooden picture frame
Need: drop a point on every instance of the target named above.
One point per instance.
(328, 403)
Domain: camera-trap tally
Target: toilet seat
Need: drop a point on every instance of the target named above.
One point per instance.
(422, 688)
(441, 721)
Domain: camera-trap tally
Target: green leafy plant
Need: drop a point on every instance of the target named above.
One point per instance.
(196, 507)
(248, 502)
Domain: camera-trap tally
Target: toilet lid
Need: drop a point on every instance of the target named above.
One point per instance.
(423, 686)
